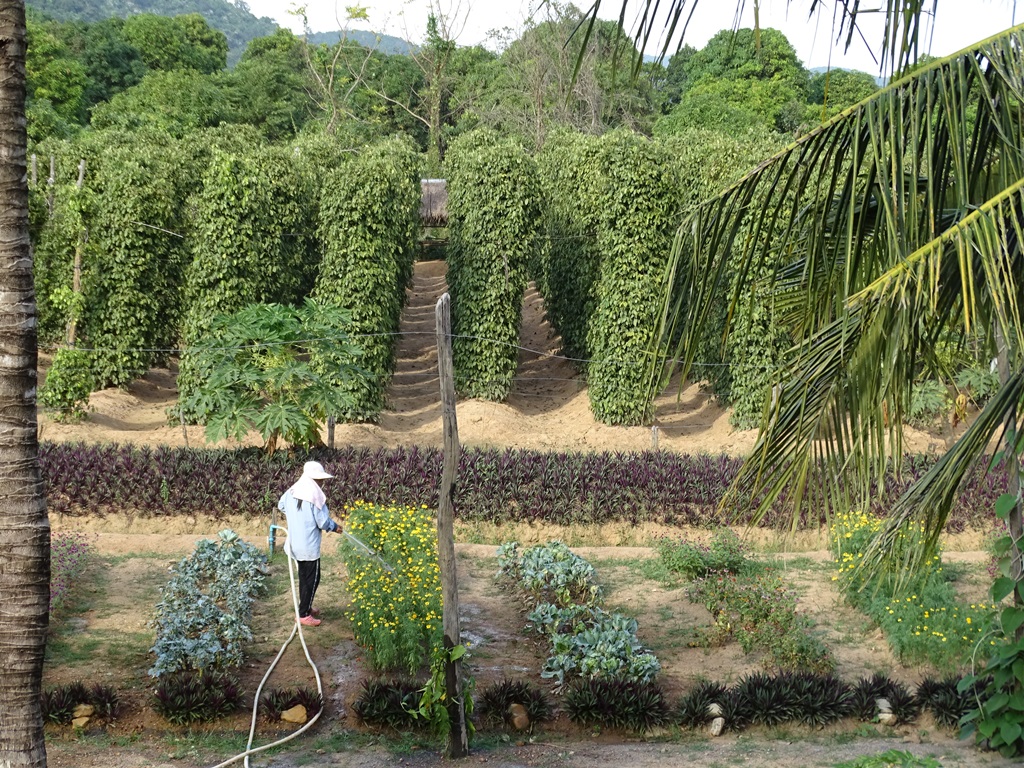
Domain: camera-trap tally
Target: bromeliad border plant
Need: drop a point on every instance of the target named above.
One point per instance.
(395, 616)
(191, 696)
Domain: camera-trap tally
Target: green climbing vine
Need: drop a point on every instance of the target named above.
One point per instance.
(369, 220)
(494, 217)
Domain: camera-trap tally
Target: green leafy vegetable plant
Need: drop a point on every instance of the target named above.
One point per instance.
(548, 573)
(264, 368)
(202, 620)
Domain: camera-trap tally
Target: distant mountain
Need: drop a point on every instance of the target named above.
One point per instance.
(384, 43)
(233, 19)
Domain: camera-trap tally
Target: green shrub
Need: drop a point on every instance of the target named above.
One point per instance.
(494, 216)
(69, 382)
(997, 686)
(395, 615)
(929, 401)
(369, 219)
(725, 552)
(760, 613)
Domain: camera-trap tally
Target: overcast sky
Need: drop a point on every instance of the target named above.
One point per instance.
(958, 24)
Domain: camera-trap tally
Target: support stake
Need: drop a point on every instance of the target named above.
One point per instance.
(458, 743)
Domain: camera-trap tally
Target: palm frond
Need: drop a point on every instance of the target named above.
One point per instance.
(896, 221)
(920, 513)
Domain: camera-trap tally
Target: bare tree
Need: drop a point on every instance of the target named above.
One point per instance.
(24, 527)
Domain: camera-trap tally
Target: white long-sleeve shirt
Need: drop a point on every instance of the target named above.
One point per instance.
(305, 523)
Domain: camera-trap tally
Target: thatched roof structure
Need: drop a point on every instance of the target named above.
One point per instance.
(434, 203)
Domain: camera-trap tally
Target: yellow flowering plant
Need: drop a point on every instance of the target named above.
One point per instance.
(396, 614)
(922, 619)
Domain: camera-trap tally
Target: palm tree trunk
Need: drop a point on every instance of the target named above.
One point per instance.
(1015, 520)
(24, 527)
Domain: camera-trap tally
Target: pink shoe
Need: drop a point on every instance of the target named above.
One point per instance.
(309, 621)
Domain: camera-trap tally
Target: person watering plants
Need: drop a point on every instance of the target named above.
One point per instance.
(305, 508)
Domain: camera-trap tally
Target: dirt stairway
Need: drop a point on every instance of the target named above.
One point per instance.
(414, 395)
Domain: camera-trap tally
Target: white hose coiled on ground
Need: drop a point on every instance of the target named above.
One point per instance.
(297, 627)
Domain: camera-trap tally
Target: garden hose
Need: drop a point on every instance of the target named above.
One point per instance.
(297, 627)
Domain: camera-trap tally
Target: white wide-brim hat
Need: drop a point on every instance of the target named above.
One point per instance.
(315, 470)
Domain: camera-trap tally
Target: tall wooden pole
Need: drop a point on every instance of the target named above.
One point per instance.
(458, 745)
(76, 277)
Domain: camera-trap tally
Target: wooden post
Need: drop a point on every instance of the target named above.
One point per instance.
(330, 432)
(76, 278)
(458, 745)
(49, 185)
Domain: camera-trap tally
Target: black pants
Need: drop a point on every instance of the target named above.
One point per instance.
(309, 580)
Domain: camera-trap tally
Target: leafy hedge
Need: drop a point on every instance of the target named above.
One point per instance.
(250, 242)
(492, 485)
(494, 214)
(570, 261)
(136, 262)
(369, 219)
(610, 208)
(638, 212)
(706, 162)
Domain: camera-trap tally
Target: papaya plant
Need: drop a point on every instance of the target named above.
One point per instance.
(255, 369)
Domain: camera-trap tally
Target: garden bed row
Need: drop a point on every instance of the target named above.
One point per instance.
(492, 485)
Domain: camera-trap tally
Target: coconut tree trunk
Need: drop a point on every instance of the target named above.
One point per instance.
(1015, 520)
(24, 528)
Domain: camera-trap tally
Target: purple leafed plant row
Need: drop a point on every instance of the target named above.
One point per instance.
(492, 485)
